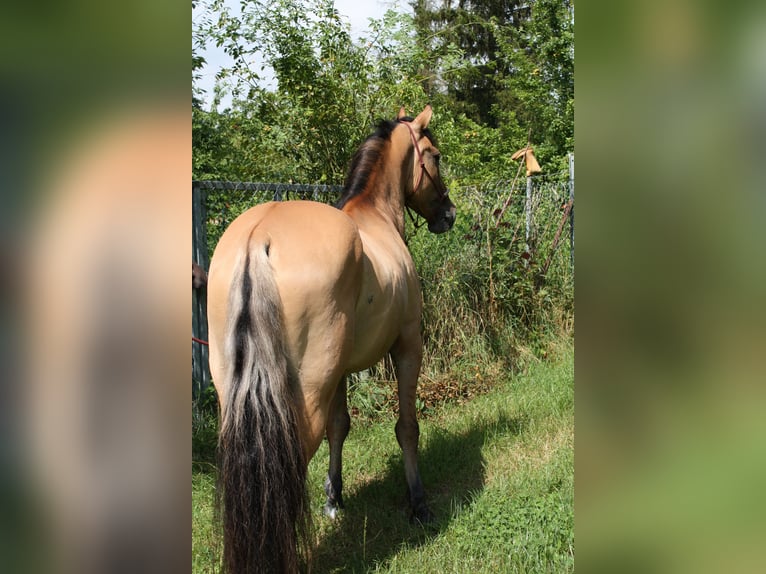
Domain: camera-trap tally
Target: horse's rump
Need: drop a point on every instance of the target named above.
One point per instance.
(315, 253)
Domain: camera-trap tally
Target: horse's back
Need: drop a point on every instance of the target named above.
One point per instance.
(301, 239)
(313, 248)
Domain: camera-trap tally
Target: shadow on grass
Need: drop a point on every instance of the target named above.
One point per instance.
(375, 523)
(205, 431)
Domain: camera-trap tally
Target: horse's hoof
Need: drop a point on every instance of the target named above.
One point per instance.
(423, 516)
(331, 511)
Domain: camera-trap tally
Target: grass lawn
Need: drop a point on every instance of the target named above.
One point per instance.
(499, 475)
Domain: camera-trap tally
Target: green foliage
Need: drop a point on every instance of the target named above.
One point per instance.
(494, 71)
(485, 291)
(517, 67)
(473, 86)
(538, 88)
(330, 90)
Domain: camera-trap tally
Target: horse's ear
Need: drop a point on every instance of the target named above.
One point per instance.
(424, 117)
(402, 113)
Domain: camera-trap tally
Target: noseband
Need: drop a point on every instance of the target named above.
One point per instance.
(441, 190)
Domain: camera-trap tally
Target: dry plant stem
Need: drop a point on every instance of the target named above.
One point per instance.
(513, 185)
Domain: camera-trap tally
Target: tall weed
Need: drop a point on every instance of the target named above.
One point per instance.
(487, 293)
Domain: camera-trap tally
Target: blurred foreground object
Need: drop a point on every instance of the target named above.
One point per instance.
(108, 397)
(671, 321)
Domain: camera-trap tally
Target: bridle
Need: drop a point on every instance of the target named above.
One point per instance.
(440, 189)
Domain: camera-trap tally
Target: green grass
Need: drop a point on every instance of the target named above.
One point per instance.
(499, 474)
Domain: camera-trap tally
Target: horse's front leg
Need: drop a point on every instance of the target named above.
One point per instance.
(407, 354)
(338, 425)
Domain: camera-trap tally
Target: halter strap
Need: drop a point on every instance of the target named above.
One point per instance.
(441, 190)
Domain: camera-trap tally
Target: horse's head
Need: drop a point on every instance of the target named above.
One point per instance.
(429, 197)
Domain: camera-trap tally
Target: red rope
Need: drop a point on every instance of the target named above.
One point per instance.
(200, 341)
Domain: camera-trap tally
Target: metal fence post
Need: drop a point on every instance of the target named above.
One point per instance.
(572, 211)
(528, 212)
(200, 368)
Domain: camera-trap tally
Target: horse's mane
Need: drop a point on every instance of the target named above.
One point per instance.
(367, 157)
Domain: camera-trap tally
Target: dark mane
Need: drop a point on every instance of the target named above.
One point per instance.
(367, 157)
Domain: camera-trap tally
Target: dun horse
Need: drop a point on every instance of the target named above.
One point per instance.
(301, 294)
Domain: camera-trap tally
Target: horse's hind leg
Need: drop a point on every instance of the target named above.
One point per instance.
(338, 425)
(407, 355)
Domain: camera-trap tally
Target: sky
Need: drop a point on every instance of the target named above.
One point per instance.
(356, 12)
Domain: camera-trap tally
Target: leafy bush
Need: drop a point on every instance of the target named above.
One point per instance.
(484, 290)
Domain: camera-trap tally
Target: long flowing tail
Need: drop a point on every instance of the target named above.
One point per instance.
(262, 467)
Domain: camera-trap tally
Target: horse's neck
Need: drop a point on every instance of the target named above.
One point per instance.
(383, 197)
(386, 191)
(379, 210)
(389, 204)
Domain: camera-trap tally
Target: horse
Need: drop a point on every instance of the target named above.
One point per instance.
(300, 295)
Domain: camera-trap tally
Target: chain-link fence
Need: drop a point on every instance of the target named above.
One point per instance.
(537, 210)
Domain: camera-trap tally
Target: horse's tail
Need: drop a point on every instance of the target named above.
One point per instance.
(262, 467)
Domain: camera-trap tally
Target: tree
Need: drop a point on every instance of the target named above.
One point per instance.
(330, 90)
(538, 88)
(518, 64)
(471, 26)
(494, 69)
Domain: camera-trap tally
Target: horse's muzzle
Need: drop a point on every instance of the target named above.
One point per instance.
(444, 223)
